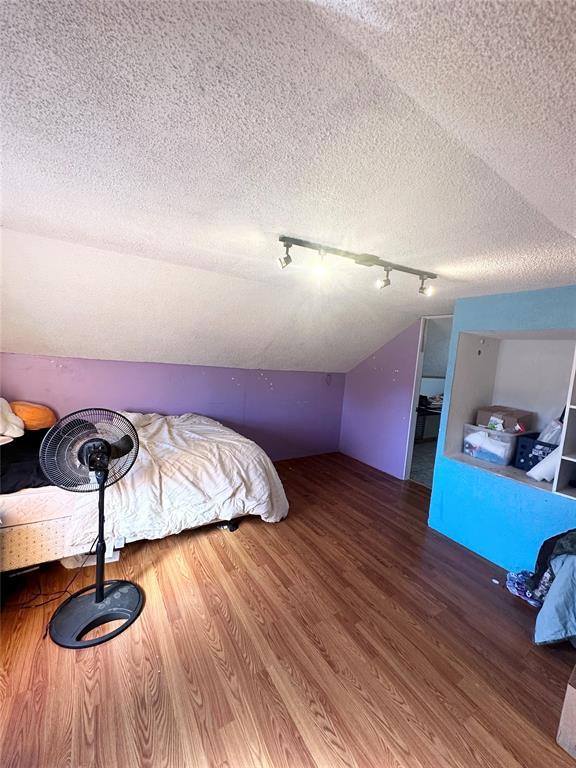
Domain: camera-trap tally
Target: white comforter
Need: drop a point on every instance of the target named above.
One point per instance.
(190, 471)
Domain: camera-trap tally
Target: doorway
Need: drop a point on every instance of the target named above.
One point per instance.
(429, 396)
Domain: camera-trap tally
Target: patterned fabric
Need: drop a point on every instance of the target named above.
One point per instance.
(518, 584)
(544, 586)
(534, 586)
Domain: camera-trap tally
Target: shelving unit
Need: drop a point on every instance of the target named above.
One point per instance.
(512, 473)
(566, 473)
(538, 374)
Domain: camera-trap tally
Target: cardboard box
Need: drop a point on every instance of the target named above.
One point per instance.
(566, 737)
(511, 417)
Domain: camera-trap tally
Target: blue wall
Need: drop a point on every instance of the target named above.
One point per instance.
(501, 519)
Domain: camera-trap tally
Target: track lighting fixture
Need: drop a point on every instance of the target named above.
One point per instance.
(383, 282)
(284, 261)
(364, 259)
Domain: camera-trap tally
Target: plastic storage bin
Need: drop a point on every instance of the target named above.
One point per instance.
(490, 445)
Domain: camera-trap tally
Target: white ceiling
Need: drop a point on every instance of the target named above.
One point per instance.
(154, 151)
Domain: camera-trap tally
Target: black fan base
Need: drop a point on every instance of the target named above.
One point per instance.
(80, 613)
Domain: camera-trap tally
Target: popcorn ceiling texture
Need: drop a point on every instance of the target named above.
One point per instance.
(154, 151)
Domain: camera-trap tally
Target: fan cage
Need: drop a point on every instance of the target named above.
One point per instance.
(59, 450)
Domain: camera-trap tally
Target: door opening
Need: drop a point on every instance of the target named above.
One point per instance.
(428, 398)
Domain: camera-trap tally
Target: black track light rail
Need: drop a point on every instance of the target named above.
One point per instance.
(364, 259)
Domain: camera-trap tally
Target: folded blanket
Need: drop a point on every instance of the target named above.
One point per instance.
(484, 443)
(19, 463)
(556, 620)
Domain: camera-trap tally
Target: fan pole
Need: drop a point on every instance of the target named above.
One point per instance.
(101, 476)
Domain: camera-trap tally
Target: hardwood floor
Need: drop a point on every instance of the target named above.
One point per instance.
(347, 635)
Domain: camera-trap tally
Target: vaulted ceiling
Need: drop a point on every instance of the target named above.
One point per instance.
(154, 151)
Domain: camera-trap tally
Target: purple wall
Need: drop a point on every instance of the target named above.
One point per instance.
(377, 404)
(288, 413)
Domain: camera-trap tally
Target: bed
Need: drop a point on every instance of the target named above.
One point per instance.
(190, 471)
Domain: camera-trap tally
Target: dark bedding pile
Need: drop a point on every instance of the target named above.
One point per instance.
(19, 464)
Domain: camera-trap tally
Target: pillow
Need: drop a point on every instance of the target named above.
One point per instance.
(19, 463)
(546, 469)
(11, 426)
(34, 415)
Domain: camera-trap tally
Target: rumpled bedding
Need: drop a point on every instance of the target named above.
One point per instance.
(190, 471)
(556, 620)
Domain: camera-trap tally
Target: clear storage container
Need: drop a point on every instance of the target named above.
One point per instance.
(489, 444)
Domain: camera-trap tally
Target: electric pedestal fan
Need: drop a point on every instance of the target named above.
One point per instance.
(86, 451)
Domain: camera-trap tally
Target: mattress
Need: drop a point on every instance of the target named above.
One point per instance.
(35, 527)
(35, 505)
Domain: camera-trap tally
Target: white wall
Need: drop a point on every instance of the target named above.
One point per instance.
(534, 374)
(432, 386)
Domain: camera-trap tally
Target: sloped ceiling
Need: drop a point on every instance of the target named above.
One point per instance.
(154, 151)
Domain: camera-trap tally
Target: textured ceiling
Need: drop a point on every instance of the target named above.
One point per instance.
(154, 151)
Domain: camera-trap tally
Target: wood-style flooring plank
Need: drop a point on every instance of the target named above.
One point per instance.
(349, 635)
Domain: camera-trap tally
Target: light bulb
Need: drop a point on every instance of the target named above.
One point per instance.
(382, 282)
(320, 272)
(285, 261)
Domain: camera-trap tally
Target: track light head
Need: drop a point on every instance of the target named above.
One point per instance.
(383, 282)
(286, 260)
(425, 290)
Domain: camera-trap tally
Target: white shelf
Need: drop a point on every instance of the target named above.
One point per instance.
(569, 493)
(509, 472)
(569, 434)
(566, 474)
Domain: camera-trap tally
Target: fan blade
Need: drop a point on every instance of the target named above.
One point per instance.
(121, 447)
(77, 427)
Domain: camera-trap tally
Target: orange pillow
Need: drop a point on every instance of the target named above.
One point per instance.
(34, 415)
